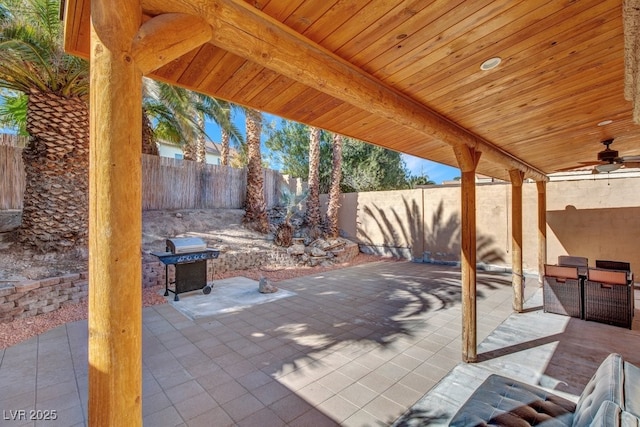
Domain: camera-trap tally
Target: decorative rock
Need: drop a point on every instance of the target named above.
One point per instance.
(10, 220)
(178, 215)
(264, 287)
(296, 250)
(317, 252)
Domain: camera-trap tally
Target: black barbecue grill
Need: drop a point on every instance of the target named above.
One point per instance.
(189, 257)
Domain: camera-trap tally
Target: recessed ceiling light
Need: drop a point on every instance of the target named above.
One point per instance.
(491, 63)
(605, 122)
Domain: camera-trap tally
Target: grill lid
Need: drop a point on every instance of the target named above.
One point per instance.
(183, 245)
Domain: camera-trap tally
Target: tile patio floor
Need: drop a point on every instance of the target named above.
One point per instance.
(354, 347)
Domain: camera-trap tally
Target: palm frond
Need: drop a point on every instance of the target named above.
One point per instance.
(13, 111)
(31, 53)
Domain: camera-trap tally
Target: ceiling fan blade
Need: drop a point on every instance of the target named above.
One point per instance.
(580, 166)
(627, 159)
(632, 164)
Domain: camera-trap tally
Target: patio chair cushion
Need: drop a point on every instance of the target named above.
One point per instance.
(562, 271)
(629, 420)
(631, 389)
(616, 277)
(605, 384)
(609, 415)
(502, 401)
(576, 261)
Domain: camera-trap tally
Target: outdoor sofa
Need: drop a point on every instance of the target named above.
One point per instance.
(611, 398)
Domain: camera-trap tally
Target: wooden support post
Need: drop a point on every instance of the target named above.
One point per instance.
(115, 218)
(516, 239)
(468, 160)
(542, 228)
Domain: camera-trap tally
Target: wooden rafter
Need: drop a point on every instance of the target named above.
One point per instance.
(167, 37)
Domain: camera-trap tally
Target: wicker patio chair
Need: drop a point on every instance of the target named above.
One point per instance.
(608, 297)
(562, 290)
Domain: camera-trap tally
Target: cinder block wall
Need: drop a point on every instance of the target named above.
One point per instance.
(32, 297)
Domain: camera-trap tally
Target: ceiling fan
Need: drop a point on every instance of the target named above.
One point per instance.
(609, 161)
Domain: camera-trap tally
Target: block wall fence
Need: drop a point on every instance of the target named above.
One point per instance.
(594, 218)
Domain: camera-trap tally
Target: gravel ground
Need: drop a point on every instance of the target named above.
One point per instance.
(22, 329)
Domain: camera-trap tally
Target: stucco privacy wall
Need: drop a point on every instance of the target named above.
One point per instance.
(598, 219)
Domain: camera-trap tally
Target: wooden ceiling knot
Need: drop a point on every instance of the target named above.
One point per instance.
(631, 24)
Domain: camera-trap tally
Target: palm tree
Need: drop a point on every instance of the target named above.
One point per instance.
(312, 215)
(220, 112)
(180, 117)
(255, 216)
(172, 109)
(56, 86)
(334, 190)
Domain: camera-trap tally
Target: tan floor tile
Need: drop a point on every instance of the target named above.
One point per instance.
(338, 408)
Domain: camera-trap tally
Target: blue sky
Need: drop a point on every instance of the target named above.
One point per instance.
(435, 171)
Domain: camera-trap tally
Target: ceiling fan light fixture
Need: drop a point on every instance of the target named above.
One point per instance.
(608, 167)
(490, 63)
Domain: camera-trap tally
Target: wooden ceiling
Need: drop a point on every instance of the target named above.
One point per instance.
(406, 74)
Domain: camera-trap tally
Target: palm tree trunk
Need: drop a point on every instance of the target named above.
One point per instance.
(55, 213)
(334, 191)
(224, 147)
(148, 139)
(189, 151)
(313, 200)
(255, 216)
(200, 148)
(225, 136)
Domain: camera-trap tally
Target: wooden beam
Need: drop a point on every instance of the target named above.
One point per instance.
(115, 218)
(468, 160)
(516, 239)
(115, 23)
(542, 228)
(249, 33)
(166, 37)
